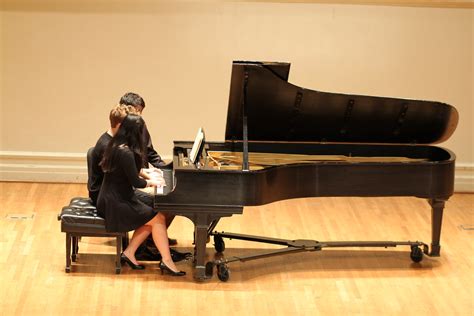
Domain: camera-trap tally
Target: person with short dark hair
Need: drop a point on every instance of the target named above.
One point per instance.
(151, 157)
(118, 203)
(147, 251)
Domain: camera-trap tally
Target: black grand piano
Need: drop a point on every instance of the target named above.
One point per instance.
(283, 141)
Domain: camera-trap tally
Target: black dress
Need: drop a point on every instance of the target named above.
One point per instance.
(117, 201)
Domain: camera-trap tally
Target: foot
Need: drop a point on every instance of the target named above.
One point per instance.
(133, 265)
(170, 268)
(130, 256)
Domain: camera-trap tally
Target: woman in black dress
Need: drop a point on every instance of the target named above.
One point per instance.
(117, 202)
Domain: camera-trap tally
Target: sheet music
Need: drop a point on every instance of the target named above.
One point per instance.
(197, 143)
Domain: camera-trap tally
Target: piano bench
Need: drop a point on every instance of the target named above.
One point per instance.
(80, 219)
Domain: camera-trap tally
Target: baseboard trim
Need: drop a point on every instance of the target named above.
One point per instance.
(464, 178)
(71, 168)
(43, 167)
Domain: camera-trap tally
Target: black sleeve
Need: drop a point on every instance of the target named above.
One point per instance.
(152, 156)
(127, 163)
(94, 171)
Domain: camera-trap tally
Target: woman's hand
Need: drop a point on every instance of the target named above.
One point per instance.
(143, 174)
(151, 173)
(156, 183)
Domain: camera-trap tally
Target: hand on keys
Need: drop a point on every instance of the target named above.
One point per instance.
(156, 177)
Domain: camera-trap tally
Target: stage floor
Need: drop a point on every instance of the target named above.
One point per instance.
(328, 282)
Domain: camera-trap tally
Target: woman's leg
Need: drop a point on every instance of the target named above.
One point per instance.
(139, 235)
(160, 237)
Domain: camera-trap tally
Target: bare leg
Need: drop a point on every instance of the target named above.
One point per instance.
(139, 235)
(160, 237)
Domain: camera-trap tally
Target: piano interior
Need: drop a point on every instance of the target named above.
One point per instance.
(228, 160)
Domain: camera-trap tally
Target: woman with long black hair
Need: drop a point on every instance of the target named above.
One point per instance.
(117, 202)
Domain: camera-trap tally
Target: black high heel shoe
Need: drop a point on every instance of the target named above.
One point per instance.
(164, 267)
(132, 265)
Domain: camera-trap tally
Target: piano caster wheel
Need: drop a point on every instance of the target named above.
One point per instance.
(219, 243)
(209, 269)
(416, 254)
(223, 272)
(117, 270)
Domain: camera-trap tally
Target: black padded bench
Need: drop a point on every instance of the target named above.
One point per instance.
(80, 219)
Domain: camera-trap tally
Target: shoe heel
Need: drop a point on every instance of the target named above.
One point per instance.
(124, 259)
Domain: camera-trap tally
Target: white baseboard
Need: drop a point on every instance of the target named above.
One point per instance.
(43, 167)
(71, 168)
(464, 177)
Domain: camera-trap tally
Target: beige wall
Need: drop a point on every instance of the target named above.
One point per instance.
(64, 65)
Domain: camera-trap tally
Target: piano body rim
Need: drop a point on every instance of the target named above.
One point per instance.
(427, 172)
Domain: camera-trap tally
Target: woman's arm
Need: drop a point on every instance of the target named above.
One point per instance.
(127, 163)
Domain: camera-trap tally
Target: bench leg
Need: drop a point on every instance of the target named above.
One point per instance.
(75, 247)
(68, 252)
(125, 241)
(118, 263)
(72, 250)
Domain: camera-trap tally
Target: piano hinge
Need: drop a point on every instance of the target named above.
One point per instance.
(294, 114)
(347, 117)
(298, 99)
(245, 139)
(401, 119)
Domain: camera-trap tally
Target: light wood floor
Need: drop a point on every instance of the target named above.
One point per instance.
(329, 282)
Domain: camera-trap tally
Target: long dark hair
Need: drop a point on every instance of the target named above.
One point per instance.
(130, 133)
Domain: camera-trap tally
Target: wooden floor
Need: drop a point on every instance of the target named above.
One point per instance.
(329, 282)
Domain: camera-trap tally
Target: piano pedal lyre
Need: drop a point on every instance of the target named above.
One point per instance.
(299, 245)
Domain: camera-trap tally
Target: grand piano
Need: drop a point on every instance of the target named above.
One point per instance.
(283, 141)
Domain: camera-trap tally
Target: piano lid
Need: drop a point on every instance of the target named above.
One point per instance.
(280, 111)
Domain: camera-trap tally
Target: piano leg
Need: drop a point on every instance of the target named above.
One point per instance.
(203, 220)
(200, 234)
(437, 207)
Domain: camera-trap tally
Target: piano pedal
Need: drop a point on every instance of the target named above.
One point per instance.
(223, 272)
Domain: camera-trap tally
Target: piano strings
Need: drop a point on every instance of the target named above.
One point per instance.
(228, 160)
